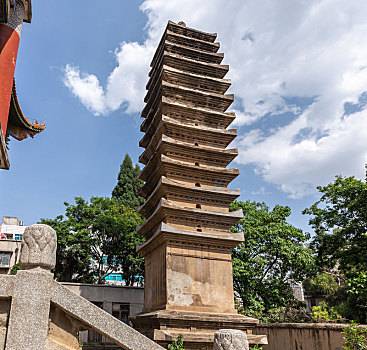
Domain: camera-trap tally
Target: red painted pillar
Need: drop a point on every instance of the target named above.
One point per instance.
(9, 44)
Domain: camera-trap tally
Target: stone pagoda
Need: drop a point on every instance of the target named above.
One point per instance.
(188, 267)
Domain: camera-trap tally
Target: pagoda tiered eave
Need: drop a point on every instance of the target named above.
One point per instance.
(165, 232)
(162, 165)
(189, 65)
(220, 197)
(188, 52)
(188, 96)
(204, 135)
(181, 29)
(187, 114)
(207, 220)
(189, 41)
(186, 79)
(192, 42)
(200, 155)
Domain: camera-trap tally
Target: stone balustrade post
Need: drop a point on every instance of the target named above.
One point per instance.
(30, 305)
(230, 339)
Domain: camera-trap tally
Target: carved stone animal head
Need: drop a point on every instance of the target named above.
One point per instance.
(39, 247)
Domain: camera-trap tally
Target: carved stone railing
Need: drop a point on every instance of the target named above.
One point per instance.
(38, 313)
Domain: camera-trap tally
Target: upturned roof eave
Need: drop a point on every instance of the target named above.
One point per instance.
(19, 126)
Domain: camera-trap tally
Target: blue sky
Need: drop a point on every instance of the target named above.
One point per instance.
(82, 69)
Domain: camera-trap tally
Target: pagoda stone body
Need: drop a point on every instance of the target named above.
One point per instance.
(188, 267)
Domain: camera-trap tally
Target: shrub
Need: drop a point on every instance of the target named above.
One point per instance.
(355, 338)
(177, 344)
(322, 313)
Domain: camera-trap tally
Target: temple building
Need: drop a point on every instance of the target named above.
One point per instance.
(13, 122)
(188, 266)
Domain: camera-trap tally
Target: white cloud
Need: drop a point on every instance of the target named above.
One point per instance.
(125, 85)
(86, 87)
(276, 49)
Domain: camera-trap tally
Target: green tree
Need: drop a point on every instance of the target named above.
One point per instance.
(273, 255)
(128, 184)
(73, 257)
(339, 220)
(323, 284)
(356, 290)
(95, 238)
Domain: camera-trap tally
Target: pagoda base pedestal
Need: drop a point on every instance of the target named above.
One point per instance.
(196, 328)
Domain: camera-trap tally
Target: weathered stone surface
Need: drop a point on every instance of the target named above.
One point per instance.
(230, 339)
(4, 314)
(63, 331)
(39, 247)
(30, 309)
(104, 323)
(6, 286)
(197, 328)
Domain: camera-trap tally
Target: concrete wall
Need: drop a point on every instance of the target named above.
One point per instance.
(13, 247)
(107, 295)
(302, 336)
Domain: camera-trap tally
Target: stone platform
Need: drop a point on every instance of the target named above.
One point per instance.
(197, 328)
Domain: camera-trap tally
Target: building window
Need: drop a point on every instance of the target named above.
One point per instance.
(5, 259)
(121, 312)
(18, 236)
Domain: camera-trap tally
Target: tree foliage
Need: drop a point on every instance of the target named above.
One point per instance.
(272, 257)
(178, 344)
(128, 184)
(96, 238)
(339, 220)
(355, 337)
(323, 284)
